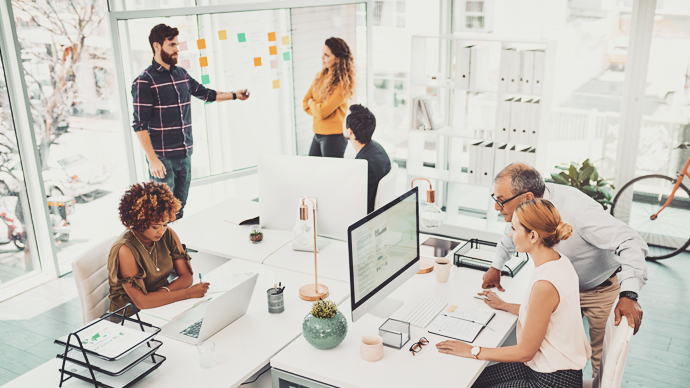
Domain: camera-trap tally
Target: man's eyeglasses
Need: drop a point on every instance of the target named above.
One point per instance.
(503, 203)
(417, 346)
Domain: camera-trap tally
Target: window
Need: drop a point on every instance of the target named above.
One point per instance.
(389, 14)
(473, 15)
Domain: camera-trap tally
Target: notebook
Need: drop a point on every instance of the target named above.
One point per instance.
(464, 323)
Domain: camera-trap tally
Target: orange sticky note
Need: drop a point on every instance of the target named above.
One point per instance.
(276, 84)
(286, 40)
(222, 35)
(203, 61)
(257, 61)
(271, 36)
(273, 50)
(201, 44)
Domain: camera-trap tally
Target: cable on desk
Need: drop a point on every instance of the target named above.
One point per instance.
(257, 377)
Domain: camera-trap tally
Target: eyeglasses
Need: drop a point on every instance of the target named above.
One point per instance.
(502, 203)
(417, 346)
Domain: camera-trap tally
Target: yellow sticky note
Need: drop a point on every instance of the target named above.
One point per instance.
(201, 44)
(273, 50)
(451, 308)
(271, 36)
(203, 61)
(222, 35)
(286, 40)
(276, 84)
(257, 61)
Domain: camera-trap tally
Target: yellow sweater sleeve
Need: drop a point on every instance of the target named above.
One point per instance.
(321, 110)
(305, 101)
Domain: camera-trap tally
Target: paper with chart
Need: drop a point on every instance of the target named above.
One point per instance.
(464, 324)
(109, 339)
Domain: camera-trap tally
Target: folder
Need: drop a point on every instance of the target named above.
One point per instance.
(479, 67)
(503, 130)
(487, 164)
(462, 77)
(516, 111)
(531, 156)
(503, 70)
(432, 108)
(513, 71)
(526, 71)
(512, 154)
(473, 172)
(501, 159)
(425, 119)
(538, 76)
(525, 120)
(535, 120)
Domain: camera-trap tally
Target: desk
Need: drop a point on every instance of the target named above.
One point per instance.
(242, 348)
(333, 261)
(208, 232)
(343, 367)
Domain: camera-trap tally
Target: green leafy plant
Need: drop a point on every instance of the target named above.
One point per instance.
(324, 309)
(586, 179)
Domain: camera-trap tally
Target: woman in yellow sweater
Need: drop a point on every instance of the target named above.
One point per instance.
(327, 99)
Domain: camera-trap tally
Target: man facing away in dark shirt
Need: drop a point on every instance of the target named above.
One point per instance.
(163, 114)
(360, 126)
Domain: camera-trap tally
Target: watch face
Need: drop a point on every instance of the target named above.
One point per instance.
(475, 351)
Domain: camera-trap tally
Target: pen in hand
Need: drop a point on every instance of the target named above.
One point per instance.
(200, 278)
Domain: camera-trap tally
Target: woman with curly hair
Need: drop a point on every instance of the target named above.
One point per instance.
(143, 257)
(327, 98)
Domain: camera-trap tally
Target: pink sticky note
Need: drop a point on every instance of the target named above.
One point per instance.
(185, 64)
(183, 46)
(274, 64)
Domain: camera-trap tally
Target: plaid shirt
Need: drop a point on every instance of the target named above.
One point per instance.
(162, 106)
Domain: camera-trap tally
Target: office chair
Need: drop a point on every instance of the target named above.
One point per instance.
(91, 276)
(616, 345)
(385, 192)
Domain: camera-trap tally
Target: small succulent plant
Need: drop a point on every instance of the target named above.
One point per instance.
(324, 309)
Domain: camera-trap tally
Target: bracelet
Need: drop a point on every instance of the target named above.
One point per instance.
(166, 288)
(234, 96)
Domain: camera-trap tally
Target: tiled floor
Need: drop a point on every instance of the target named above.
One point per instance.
(659, 354)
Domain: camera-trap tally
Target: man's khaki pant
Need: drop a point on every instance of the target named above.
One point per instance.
(596, 305)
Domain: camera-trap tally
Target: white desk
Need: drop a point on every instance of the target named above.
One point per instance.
(343, 367)
(242, 348)
(334, 261)
(208, 232)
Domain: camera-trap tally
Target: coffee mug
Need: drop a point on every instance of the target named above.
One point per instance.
(442, 270)
(371, 348)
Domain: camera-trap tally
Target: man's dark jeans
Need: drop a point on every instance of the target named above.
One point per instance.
(178, 176)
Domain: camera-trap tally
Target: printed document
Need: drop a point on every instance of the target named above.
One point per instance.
(464, 324)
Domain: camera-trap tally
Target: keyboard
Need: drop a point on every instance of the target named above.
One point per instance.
(425, 312)
(193, 330)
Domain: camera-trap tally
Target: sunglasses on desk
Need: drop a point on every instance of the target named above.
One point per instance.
(417, 346)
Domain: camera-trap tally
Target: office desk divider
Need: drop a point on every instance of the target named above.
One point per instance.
(479, 254)
(395, 333)
(129, 366)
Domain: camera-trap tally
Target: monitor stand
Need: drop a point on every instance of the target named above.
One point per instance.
(386, 307)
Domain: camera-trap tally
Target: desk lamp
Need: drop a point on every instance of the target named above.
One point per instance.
(302, 237)
(431, 217)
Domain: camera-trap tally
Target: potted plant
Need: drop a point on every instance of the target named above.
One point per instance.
(586, 179)
(324, 327)
(255, 234)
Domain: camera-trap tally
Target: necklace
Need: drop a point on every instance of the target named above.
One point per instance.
(149, 252)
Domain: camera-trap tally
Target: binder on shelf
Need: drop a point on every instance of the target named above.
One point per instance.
(531, 157)
(462, 78)
(526, 71)
(479, 67)
(487, 164)
(503, 70)
(474, 168)
(419, 119)
(500, 162)
(539, 67)
(513, 70)
(516, 112)
(503, 132)
(535, 119)
(432, 110)
(522, 154)
(512, 154)
(525, 120)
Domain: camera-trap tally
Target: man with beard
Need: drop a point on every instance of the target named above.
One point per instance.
(162, 113)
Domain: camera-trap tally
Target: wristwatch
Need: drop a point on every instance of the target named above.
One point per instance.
(234, 96)
(475, 352)
(632, 295)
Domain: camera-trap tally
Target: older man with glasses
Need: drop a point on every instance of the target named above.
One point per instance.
(607, 254)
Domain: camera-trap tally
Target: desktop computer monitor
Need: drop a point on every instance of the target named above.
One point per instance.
(384, 253)
(339, 186)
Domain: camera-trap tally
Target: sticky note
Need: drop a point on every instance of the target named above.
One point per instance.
(286, 56)
(203, 61)
(271, 36)
(257, 61)
(241, 37)
(276, 84)
(201, 44)
(222, 35)
(182, 46)
(452, 308)
(286, 40)
(185, 64)
(273, 50)
(274, 64)
(205, 79)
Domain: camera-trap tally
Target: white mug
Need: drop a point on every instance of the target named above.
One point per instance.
(371, 348)
(442, 270)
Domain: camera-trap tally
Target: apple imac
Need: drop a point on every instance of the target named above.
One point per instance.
(384, 253)
(338, 185)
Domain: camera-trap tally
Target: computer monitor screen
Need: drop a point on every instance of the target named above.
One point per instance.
(384, 252)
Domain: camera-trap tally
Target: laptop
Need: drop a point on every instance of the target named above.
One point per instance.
(208, 318)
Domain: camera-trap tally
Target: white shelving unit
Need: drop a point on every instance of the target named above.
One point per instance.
(471, 114)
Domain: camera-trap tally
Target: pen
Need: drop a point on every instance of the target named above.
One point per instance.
(200, 277)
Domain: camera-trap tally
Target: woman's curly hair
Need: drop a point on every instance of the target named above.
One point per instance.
(342, 74)
(145, 204)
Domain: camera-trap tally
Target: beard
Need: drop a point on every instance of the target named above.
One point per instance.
(168, 58)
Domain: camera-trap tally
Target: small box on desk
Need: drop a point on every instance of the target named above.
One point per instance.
(395, 333)
(479, 254)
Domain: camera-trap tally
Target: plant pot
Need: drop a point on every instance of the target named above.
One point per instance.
(324, 333)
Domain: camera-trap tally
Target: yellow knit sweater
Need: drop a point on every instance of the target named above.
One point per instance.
(328, 115)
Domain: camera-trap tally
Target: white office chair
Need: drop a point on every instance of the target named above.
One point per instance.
(91, 276)
(615, 352)
(386, 190)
